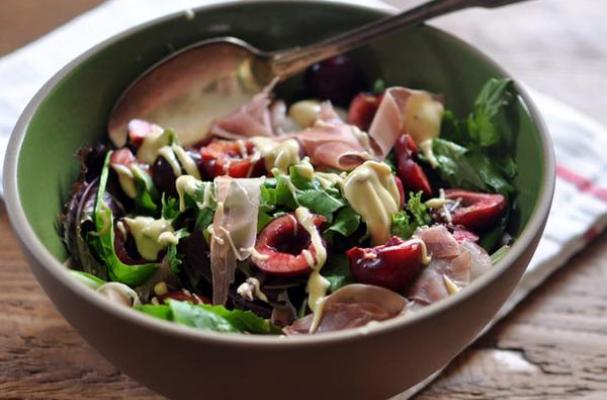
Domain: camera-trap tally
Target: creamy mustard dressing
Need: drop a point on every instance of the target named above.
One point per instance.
(451, 286)
(372, 192)
(283, 156)
(425, 257)
(435, 202)
(187, 184)
(317, 289)
(305, 169)
(263, 144)
(257, 255)
(242, 148)
(422, 120)
(186, 161)
(279, 155)
(330, 179)
(317, 285)
(152, 143)
(167, 153)
(305, 112)
(125, 178)
(148, 234)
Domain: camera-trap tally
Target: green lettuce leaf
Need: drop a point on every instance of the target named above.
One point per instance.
(89, 280)
(415, 214)
(320, 201)
(401, 225)
(209, 317)
(147, 195)
(418, 209)
(172, 255)
(484, 125)
(170, 207)
(101, 240)
(468, 169)
(473, 153)
(346, 222)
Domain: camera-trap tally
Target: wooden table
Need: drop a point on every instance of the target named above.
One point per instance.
(552, 346)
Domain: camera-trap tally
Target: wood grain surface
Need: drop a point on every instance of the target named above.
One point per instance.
(553, 346)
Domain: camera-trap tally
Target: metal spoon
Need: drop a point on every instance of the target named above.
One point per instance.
(209, 79)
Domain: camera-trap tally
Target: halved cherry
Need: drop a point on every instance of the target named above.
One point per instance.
(281, 246)
(233, 158)
(477, 211)
(363, 108)
(412, 175)
(401, 190)
(405, 145)
(393, 265)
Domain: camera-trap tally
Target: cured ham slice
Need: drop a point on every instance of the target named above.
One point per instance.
(332, 143)
(453, 266)
(252, 119)
(234, 230)
(401, 111)
(439, 242)
(350, 307)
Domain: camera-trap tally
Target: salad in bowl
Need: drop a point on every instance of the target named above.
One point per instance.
(321, 214)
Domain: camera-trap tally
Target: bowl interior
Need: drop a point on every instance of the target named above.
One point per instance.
(75, 111)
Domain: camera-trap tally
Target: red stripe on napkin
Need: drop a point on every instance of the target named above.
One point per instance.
(583, 184)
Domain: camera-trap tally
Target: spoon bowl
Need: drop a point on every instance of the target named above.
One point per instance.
(192, 87)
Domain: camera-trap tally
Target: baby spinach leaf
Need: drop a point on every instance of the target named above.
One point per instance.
(320, 201)
(345, 223)
(337, 271)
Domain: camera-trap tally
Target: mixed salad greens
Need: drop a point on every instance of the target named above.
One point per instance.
(298, 219)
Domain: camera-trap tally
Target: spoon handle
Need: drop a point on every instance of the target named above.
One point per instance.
(289, 62)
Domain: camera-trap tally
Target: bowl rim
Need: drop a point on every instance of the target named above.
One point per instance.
(41, 255)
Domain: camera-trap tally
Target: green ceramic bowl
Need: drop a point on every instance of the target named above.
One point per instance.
(71, 110)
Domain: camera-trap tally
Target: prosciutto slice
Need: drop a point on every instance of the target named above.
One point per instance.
(350, 307)
(252, 119)
(234, 230)
(439, 242)
(452, 267)
(403, 110)
(332, 143)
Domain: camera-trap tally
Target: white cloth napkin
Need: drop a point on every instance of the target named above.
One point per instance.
(579, 212)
